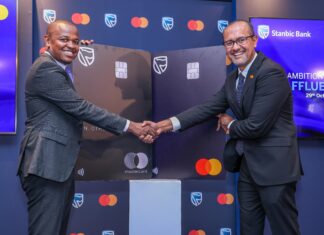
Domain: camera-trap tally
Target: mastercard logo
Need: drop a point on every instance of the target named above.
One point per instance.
(108, 200)
(139, 22)
(3, 12)
(195, 25)
(225, 199)
(197, 232)
(208, 166)
(78, 18)
(77, 233)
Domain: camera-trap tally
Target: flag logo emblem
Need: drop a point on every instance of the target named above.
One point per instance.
(221, 25)
(167, 23)
(49, 15)
(263, 31)
(160, 64)
(196, 198)
(78, 200)
(108, 232)
(86, 56)
(111, 20)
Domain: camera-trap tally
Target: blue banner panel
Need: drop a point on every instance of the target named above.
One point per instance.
(208, 207)
(289, 42)
(100, 207)
(157, 25)
(8, 70)
(182, 79)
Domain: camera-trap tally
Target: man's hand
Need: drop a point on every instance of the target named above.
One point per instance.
(86, 42)
(160, 127)
(144, 132)
(223, 121)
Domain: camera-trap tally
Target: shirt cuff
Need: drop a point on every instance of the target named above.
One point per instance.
(175, 124)
(126, 126)
(229, 124)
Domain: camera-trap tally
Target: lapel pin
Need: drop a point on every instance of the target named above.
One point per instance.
(251, 76)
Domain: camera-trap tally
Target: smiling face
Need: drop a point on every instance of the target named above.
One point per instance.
(62, 41)
(240, 54)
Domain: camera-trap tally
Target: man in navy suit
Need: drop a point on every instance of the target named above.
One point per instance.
(55, 113)
(263, 142)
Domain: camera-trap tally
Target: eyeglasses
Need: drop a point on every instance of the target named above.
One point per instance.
(240, 41)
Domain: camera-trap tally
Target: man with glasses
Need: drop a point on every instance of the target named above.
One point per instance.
(263, 143)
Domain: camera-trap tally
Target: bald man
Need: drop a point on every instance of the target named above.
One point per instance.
(55, 113)
(263, 144)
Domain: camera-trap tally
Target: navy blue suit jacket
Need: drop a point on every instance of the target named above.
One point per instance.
(264, 121)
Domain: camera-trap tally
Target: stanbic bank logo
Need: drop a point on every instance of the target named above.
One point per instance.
(221, 25)
(196, 198)
(167, 23)
(108, 232)
(110, 20)
(263, 31)
(160, 64)
(86, 56)
(78, 200)
(49, 15)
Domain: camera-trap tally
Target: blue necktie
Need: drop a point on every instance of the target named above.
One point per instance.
(69, 72)
(239, 88)
(239, 92)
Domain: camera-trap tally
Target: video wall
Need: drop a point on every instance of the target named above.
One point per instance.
(298, 46)
(8, 69)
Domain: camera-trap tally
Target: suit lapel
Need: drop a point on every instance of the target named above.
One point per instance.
(250, 78)
(249, 85)
(67, 77)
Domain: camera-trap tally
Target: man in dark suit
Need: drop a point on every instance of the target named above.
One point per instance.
(51, 142)
(262, 137)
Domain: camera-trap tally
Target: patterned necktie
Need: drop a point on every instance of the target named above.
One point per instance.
(69, 72)
(239, 88)
(239, 92)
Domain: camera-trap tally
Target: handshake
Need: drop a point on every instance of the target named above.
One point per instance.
(149, 131)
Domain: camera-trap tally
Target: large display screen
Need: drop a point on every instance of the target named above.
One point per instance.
(298, 46)
(8, 52)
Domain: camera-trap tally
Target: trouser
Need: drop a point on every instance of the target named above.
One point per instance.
(49, 204)
(276, 202)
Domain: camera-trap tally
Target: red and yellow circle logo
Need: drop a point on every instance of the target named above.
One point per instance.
(78, 18)
(206, 166)
(3, 12)
(139, 22)
(197, 232)
(225, 199)
(195, 25)
(108, 200)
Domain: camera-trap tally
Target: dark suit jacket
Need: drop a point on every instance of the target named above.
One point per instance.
(265, 121)
(55, 113)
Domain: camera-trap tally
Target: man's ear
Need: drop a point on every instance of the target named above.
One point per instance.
(46, 40)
